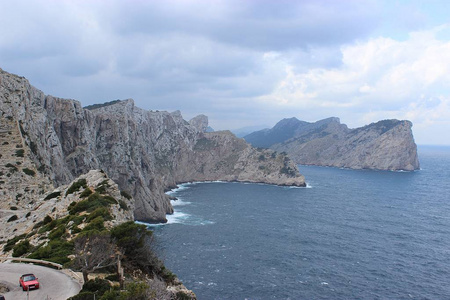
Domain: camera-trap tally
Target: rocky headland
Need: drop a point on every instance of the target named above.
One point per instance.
(384, 145)
(144, 152)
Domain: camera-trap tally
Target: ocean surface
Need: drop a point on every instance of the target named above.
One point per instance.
(351, 234)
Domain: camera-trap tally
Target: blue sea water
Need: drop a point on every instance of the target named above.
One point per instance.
(351, 234)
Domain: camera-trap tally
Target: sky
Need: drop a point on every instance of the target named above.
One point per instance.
(242, 62)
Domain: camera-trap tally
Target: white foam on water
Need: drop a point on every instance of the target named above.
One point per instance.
(179, 188)
(177, 217)
(308, 186)
(179, 202)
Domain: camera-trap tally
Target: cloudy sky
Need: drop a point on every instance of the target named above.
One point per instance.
(242, 62)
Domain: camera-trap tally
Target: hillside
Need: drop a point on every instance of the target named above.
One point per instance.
(384, 145)
(88, 226)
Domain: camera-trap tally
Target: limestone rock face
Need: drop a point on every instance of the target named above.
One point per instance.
(56, 201)
(385, 145)
(144, 152)
(200, 122)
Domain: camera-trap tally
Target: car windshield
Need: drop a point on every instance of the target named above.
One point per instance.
(29, 278)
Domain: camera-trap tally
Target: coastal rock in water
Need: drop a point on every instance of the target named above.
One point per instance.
(144, 152)
(384, 145)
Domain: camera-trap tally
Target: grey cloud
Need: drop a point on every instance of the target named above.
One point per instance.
(262, 25)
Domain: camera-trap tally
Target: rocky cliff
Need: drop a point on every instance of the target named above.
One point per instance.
(145, 152)
(384, 145)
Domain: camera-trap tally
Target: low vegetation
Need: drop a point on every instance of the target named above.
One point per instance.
(20, 153)
(13, 218)
(52, 195)
(76, 186)
(29, 172)
(95, 106)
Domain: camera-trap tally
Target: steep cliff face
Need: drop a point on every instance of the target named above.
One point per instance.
(385, 145)
(145, 152)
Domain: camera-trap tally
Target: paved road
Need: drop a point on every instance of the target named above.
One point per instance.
(54, 284)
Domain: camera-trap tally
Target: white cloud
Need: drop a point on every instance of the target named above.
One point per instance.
(378, 79)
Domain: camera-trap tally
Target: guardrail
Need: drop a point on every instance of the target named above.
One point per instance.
(39, 261)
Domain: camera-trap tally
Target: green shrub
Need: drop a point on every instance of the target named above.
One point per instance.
(167, 275)
(29, 172)
(76, 186)
(79, 207)
(71, 205)
(288, 171)
(11, 167)
(125, 194)
(33, 147)
(85, 193)
(48, 226)
(110, 200)
(78, 220)
(28, 214)
(112, 277)
(20, 153)
(38, 224)
(13, 218)
(90, 204)
(47, 220)
(12, 242)
(76, 230)
(101, 188)
(53, 195)
(57, 232)
(98, 286)
(99, 212)
(135, 240)
(182, 296)
(21, 248)
(95, 224)
(123, 205)
(56, 251)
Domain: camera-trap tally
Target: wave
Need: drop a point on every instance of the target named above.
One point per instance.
(177, 217)
(179, 187)
(179, 202)
(308, 186)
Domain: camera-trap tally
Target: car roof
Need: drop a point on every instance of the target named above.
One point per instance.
(27, 275)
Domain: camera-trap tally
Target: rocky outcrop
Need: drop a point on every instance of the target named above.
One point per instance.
(385, 145)
(145, 152)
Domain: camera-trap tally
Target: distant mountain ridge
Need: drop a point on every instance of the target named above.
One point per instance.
(384, 145)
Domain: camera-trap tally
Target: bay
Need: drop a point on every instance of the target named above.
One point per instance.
(351, 234)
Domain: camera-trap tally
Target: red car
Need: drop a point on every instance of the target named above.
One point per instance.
(28, 282)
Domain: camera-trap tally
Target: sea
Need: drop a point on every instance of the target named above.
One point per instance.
(350, 234)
